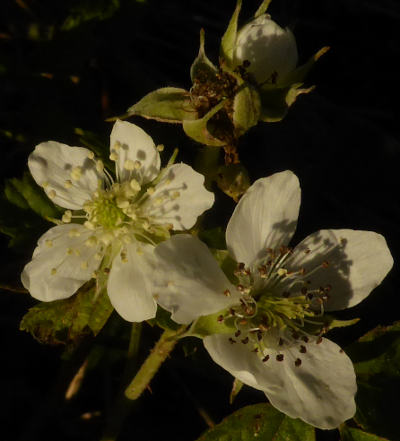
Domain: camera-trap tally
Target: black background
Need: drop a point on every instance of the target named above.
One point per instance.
(342, 141)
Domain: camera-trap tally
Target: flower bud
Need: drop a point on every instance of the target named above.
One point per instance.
(270, 49)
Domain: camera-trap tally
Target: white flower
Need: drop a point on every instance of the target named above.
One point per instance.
(119, 221)
(270, 49)
(280, 295)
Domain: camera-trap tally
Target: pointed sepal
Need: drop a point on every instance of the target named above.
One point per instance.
(202, 68)
(168, 104)
(228, 41)
(246, 109)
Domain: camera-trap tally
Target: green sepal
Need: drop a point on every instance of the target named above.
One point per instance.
(354, 434)
(168, 104)
(227, 264)
(299, 74)
(276, 100)
(326, 323)
(213, 238)
(236, 388)
(262, 9)
(163, 320)
(202, 67)
(198, 130)
(376, 358)
(262, 422)
(210, 324)
(229, 38)
(26, 194)
(233, 180)
(67, 321)
(246, 109)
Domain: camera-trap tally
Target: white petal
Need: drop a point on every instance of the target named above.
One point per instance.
(129, 284)
(61, 264)
(357, 261)
(132, 145)
(187, 280)
(266, 216)
(320, 391)
(269, 48)
(179, 198)
(51, 165)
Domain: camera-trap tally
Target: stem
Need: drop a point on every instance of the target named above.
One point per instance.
(153, 362)
(207, 162)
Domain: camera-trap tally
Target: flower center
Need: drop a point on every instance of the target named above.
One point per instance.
(277, 306)
(103, 211)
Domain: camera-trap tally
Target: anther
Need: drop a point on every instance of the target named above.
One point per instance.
(113, 156)
(99, 166)
(68, 184)
(66, 217)
(138, 164)
(279, 357)
(150, 190)
(76, 173)
(297, 363)
(160, 147)
(245, 340)
(231, 340)
(325, 264)
(53, 271)
(282, 272)
(45, 184)
(305, 338)
(52, 194)
(227, 293)
(303, 349)
(129, 165)
(266, 358)
(237, 333)
(281, 342)
(220, 318)
(134, 185)
(90, 155)
(319, 341)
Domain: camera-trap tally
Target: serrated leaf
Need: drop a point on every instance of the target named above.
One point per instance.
(276, 100)
(211, 324)
(229, 38)
(246, 109)
(168, 104)
(67, 321)
(376, 358)
(353, 434)
(198, 130)
(262, 8)
(202, 67)
(25, 193)
(259, 421)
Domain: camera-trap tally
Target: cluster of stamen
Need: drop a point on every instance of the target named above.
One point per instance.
(276, 306)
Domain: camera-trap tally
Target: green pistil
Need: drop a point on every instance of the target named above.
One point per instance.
(105, 212)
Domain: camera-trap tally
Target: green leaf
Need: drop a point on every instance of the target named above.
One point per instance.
(202, 67)
(259, 421)
(246, 109)
(88, 10)
(168, 104)
(67, 321)
(198, 130)
(211, 324)
(229, 38)
(353, 434)
(276, 100)
(25, 194)
(376, 358)
(262, 8)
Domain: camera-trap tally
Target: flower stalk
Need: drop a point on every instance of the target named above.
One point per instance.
(149, 368)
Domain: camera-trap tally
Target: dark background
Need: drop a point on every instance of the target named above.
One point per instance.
(342, 141)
